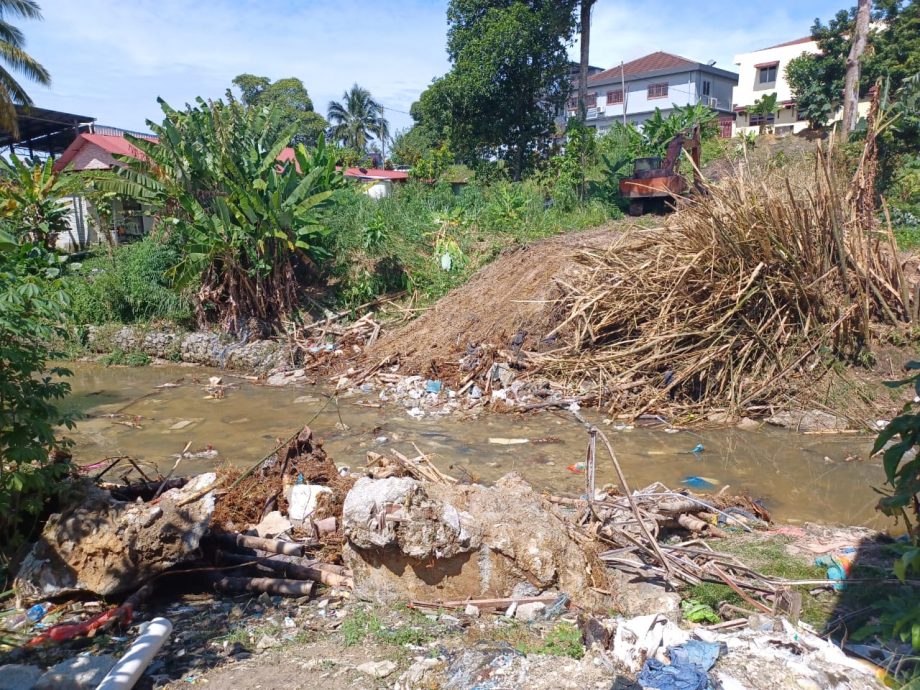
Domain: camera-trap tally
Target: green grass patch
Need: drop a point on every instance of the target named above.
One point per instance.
(132, 358)
(769, 557)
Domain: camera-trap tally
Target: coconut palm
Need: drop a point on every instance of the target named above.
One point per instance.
(357, 118)
(15, 58)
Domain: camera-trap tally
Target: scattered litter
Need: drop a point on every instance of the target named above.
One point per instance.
(433, 386)
(690, 664)
(181, 425)
(508, 441)
(700, 482)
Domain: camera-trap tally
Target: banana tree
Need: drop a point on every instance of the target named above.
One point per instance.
(247, 214)
(33, 203)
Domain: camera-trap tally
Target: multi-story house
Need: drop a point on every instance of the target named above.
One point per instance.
(633, 91)
(762, 72)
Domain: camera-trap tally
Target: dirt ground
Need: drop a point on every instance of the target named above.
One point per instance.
(513, 296)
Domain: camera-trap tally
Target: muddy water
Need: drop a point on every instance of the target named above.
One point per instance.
(800, 477)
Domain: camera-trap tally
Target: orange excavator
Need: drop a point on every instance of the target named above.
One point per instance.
(655, 179)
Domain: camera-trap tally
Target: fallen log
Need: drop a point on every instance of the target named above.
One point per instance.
(331, 575)
(483, 603)
(268, 585)
(287, 548)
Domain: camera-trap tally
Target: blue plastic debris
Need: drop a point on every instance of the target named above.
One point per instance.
(433, 386)
(688, 670)
(37, 612)
(698, 449)
(699, 482)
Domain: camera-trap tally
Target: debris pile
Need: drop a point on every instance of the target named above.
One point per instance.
(732, 307)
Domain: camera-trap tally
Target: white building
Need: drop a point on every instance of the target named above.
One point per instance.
(763, 72)
(658, 81)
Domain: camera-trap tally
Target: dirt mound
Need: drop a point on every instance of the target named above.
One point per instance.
(512, 299)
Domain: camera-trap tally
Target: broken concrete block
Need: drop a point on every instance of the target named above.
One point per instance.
(409, 540)
(79, 673)
(377, 669)
(529, 612)
(106, 546)
(19, 676)
(272, 525)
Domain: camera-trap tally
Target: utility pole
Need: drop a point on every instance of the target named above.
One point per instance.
(623, 86)
(585, 50)
(851, 84)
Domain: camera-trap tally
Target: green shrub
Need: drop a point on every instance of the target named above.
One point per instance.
(130, 284)
(33, 304)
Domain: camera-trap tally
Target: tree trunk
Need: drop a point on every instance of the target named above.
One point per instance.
(851, 85)
(585, 49)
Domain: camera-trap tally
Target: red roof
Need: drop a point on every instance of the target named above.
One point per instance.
(98, 150)
(650, 63)
(796, 42)
(101, 148)
(376, 174)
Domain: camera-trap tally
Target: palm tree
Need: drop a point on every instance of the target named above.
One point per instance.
(13, 55)
(357, 118)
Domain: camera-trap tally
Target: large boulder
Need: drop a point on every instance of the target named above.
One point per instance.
(107, 547)
(411, 540)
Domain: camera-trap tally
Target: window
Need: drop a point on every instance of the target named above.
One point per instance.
(591, 100)
(757, 120)
(768, 74)
(706, 87)
(659, 90)
(615, 96)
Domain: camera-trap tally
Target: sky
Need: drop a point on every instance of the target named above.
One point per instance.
(111, 59)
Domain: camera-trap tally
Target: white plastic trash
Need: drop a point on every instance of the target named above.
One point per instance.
(127, 670)
(303, 500)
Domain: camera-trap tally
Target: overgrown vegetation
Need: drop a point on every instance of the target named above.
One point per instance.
(129, 284)
(33, 459)
(248, 223)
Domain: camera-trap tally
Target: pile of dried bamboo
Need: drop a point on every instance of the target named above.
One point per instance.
(737, 302)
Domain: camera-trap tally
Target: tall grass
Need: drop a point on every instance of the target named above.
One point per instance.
(128, 284)
(429, 239)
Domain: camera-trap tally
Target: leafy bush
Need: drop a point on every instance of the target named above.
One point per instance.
(248, 223)
(131, 284)
(900, 615)
(33, 303)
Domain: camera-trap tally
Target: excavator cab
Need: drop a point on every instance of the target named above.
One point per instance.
(656, 178)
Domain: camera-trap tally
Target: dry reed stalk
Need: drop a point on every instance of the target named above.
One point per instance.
(739, 302)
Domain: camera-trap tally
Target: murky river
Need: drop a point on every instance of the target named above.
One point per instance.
(800, 477)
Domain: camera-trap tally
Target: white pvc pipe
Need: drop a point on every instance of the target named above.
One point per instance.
(126, 672)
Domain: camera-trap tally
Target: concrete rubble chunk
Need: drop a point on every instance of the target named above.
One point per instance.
(529, 612)
(19, 676)
(377, 669)
(79, 673)
(432, 541)
(272, 525)
(106, 547)
(808, 421)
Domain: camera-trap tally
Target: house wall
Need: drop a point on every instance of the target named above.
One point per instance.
(82, 230)
(684, 88)
(749, 88)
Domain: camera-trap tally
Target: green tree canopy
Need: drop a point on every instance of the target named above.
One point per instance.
(290, 98)
(893, 51)
(509, 75)
(14, 57)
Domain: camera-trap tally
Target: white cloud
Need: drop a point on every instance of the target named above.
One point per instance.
(697, 30)
(112, 58)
